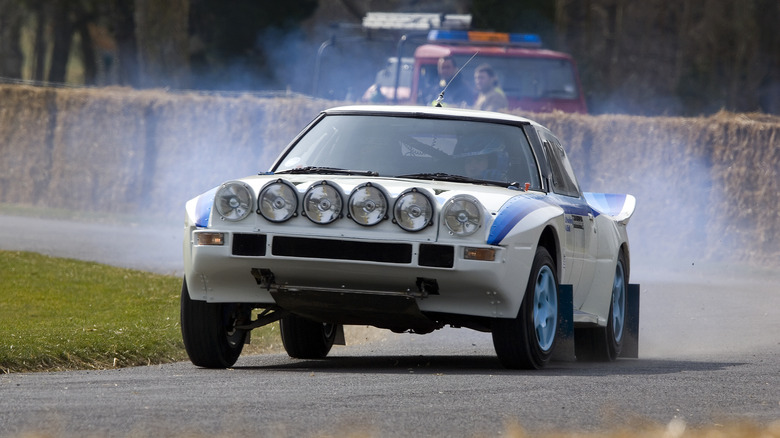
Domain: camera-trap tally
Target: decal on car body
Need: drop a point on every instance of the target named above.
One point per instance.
(203, 207)
(511, 213)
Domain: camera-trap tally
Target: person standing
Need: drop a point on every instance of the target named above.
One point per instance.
(491, 97)
(458, 92)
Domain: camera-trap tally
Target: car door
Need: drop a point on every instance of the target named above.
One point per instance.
(579, 220)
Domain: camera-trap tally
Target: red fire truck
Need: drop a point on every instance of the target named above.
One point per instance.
(532, 77)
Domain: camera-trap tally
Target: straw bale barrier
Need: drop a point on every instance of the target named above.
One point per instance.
(707, 187)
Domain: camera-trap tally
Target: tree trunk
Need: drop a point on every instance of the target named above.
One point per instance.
(161, 30)
(127, 51)
(62, 34)
(10, 49)
(81, 25)
(39, 51)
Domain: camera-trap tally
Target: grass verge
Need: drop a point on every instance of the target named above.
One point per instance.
(62, 314)
(68, 314)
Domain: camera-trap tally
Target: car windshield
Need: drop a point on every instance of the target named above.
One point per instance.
(426, 148)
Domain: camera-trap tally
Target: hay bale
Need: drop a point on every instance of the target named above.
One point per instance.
(707, 187)
(96, 155)
(202, 141)
(26, 115)
(746, 161)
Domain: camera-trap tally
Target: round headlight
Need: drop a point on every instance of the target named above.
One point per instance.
(233, 201)
(278, 201)
(322, 203)
(367, 205)
(413, 210)
(462, 215)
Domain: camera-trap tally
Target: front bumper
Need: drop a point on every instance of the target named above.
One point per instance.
(275, 269)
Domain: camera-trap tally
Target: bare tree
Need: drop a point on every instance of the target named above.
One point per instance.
(161, 30)
(39, 47)
(62, 36)
(658, 56)
(123, 28)
(10, 49)
(83, 17)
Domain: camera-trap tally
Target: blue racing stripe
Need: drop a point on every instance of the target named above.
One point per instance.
(519, 207)
(510, 214)
(571, 205)
(203, 207)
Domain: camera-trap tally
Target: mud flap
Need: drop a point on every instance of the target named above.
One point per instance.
(564, 344)
(340, 338)
(631, 335)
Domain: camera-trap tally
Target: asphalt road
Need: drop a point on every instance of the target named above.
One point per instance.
(154, 246)
(709, 354)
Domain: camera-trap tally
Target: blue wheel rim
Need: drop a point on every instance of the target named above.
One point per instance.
(619, 302)
(545, 313)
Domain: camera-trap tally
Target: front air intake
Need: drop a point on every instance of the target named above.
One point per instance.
(305, 247)
(251, 245)
(437, 256)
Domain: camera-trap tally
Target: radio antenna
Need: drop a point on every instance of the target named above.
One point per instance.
(440, 99)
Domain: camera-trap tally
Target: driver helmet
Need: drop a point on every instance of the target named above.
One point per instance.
(493, 149)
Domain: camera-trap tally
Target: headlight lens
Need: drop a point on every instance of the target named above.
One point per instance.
(233, 201)
(463, 215)
(413, 210)
(367, 205)
(322, 203)
(278, 201)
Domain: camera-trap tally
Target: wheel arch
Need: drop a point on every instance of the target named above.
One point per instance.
(627, 254)
(549, 240)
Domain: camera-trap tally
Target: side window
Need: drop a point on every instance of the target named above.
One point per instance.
(563, 182)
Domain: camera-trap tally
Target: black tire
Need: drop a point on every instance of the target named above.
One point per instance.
(528, 341)
(603, 344)
(208, 331)
(306, 339)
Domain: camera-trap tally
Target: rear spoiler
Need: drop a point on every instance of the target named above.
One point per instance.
(619, 207)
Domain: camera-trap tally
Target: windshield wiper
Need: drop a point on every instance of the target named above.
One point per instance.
(440, 176)
(327, 170)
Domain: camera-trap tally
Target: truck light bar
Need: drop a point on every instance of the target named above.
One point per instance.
(415, 21)
(525, 39)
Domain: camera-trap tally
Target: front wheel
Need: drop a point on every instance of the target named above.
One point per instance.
(306, 339)
(527, 341)
(209, 330)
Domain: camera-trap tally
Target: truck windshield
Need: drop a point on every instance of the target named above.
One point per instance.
(396, 146)
(386, 76)
(519, 77)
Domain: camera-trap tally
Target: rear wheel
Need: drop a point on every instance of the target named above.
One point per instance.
(527, 341)
(306, 339)
(209, 330)
(604, 343)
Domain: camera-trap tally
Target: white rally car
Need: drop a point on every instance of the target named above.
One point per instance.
(412, 219)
